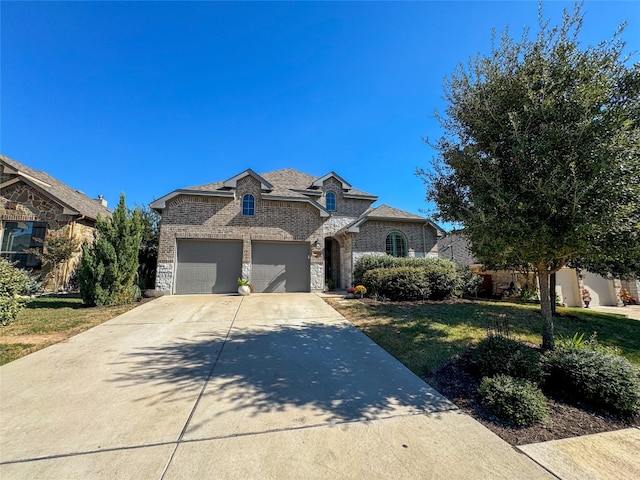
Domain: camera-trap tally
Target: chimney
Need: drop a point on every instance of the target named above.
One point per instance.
(101, 201)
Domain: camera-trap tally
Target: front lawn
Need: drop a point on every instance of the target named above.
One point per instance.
(51, 319)
(426, 335)
(433, 339)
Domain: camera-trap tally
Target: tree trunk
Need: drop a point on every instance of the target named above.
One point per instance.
(552, 292)
(548, 342)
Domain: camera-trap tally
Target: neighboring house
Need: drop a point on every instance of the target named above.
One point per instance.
(285, 230)
(569, 282)
(32, 205)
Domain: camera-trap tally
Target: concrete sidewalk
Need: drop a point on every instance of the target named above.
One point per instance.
(267, 386)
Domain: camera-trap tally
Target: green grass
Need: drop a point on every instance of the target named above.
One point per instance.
(425, 336)
(50, 319)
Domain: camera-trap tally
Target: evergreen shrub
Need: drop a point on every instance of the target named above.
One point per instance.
(498, 355)
(13, 282)
(603, 380)
(516, 400)
(401, 283)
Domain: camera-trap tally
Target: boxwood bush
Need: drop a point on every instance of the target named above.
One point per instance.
(601, 379)
(516, 400)
(499, 355)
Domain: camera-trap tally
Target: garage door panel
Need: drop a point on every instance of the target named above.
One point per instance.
(600, 289)
(208, 266)
(280, 267)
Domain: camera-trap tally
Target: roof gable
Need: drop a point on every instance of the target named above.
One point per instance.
(233, 181)
(74, 201)
(318, 182)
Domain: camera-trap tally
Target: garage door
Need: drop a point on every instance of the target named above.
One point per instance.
(280, 267)
(206, 266)
(601, 289)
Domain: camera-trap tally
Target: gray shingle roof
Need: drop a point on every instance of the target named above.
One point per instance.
(286, 183)
(387, 212)
(56, 190)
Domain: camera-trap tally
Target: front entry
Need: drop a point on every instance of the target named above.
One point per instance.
(332, 263)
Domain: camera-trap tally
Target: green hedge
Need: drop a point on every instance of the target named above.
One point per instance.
(516, 400)
(403, 283)
(603, 380)
(410, 278)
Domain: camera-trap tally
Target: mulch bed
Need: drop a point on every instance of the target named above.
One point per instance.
(458, 384)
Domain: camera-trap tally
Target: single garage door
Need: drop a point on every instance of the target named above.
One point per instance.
(206, 266)
(601, 289)
(280, 267)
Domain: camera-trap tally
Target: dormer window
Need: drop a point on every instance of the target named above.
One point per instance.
(331, 201)
(248, 205)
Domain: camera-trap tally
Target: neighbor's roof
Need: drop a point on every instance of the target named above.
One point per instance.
(76, 202)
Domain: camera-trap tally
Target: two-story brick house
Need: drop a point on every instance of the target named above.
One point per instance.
(285, 230)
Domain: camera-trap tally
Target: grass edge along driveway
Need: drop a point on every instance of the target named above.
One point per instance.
(426, 335)
(51, 319)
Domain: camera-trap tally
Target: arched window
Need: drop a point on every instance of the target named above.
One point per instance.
(331, 201)
(248, 205)
(396, 244)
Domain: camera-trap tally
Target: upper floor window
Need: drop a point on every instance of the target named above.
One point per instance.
(248, 205)
(331, 201)
(20, 239)
(396, 244)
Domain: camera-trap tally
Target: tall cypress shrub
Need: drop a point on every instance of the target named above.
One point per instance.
(109, 265)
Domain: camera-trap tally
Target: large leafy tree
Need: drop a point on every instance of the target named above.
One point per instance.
(540, 155)
(109, 266)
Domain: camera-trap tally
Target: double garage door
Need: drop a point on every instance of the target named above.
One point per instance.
(206, 266)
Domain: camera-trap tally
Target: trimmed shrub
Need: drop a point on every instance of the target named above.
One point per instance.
(499, 355)
(403, 283)
(13, 282)
(516, 400)
(409, 278)
(603, 380)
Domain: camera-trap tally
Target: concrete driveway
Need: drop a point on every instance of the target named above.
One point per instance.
(267, 386)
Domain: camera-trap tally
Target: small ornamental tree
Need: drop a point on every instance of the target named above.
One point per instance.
(109, 265)
(58, 248)
(540, 157)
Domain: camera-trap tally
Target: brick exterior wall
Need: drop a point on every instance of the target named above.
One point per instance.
(373, 236)
(349, 207)
(205, 217)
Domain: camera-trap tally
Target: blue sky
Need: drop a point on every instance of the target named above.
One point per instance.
(147, 97)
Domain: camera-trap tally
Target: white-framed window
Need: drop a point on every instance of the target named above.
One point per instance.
(248, 205)
(331, 201)
(396, 244)
(20, 239)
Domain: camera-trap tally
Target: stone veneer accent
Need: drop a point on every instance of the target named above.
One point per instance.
(164, 277)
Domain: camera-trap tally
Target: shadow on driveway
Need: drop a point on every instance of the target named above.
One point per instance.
(318, 373)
